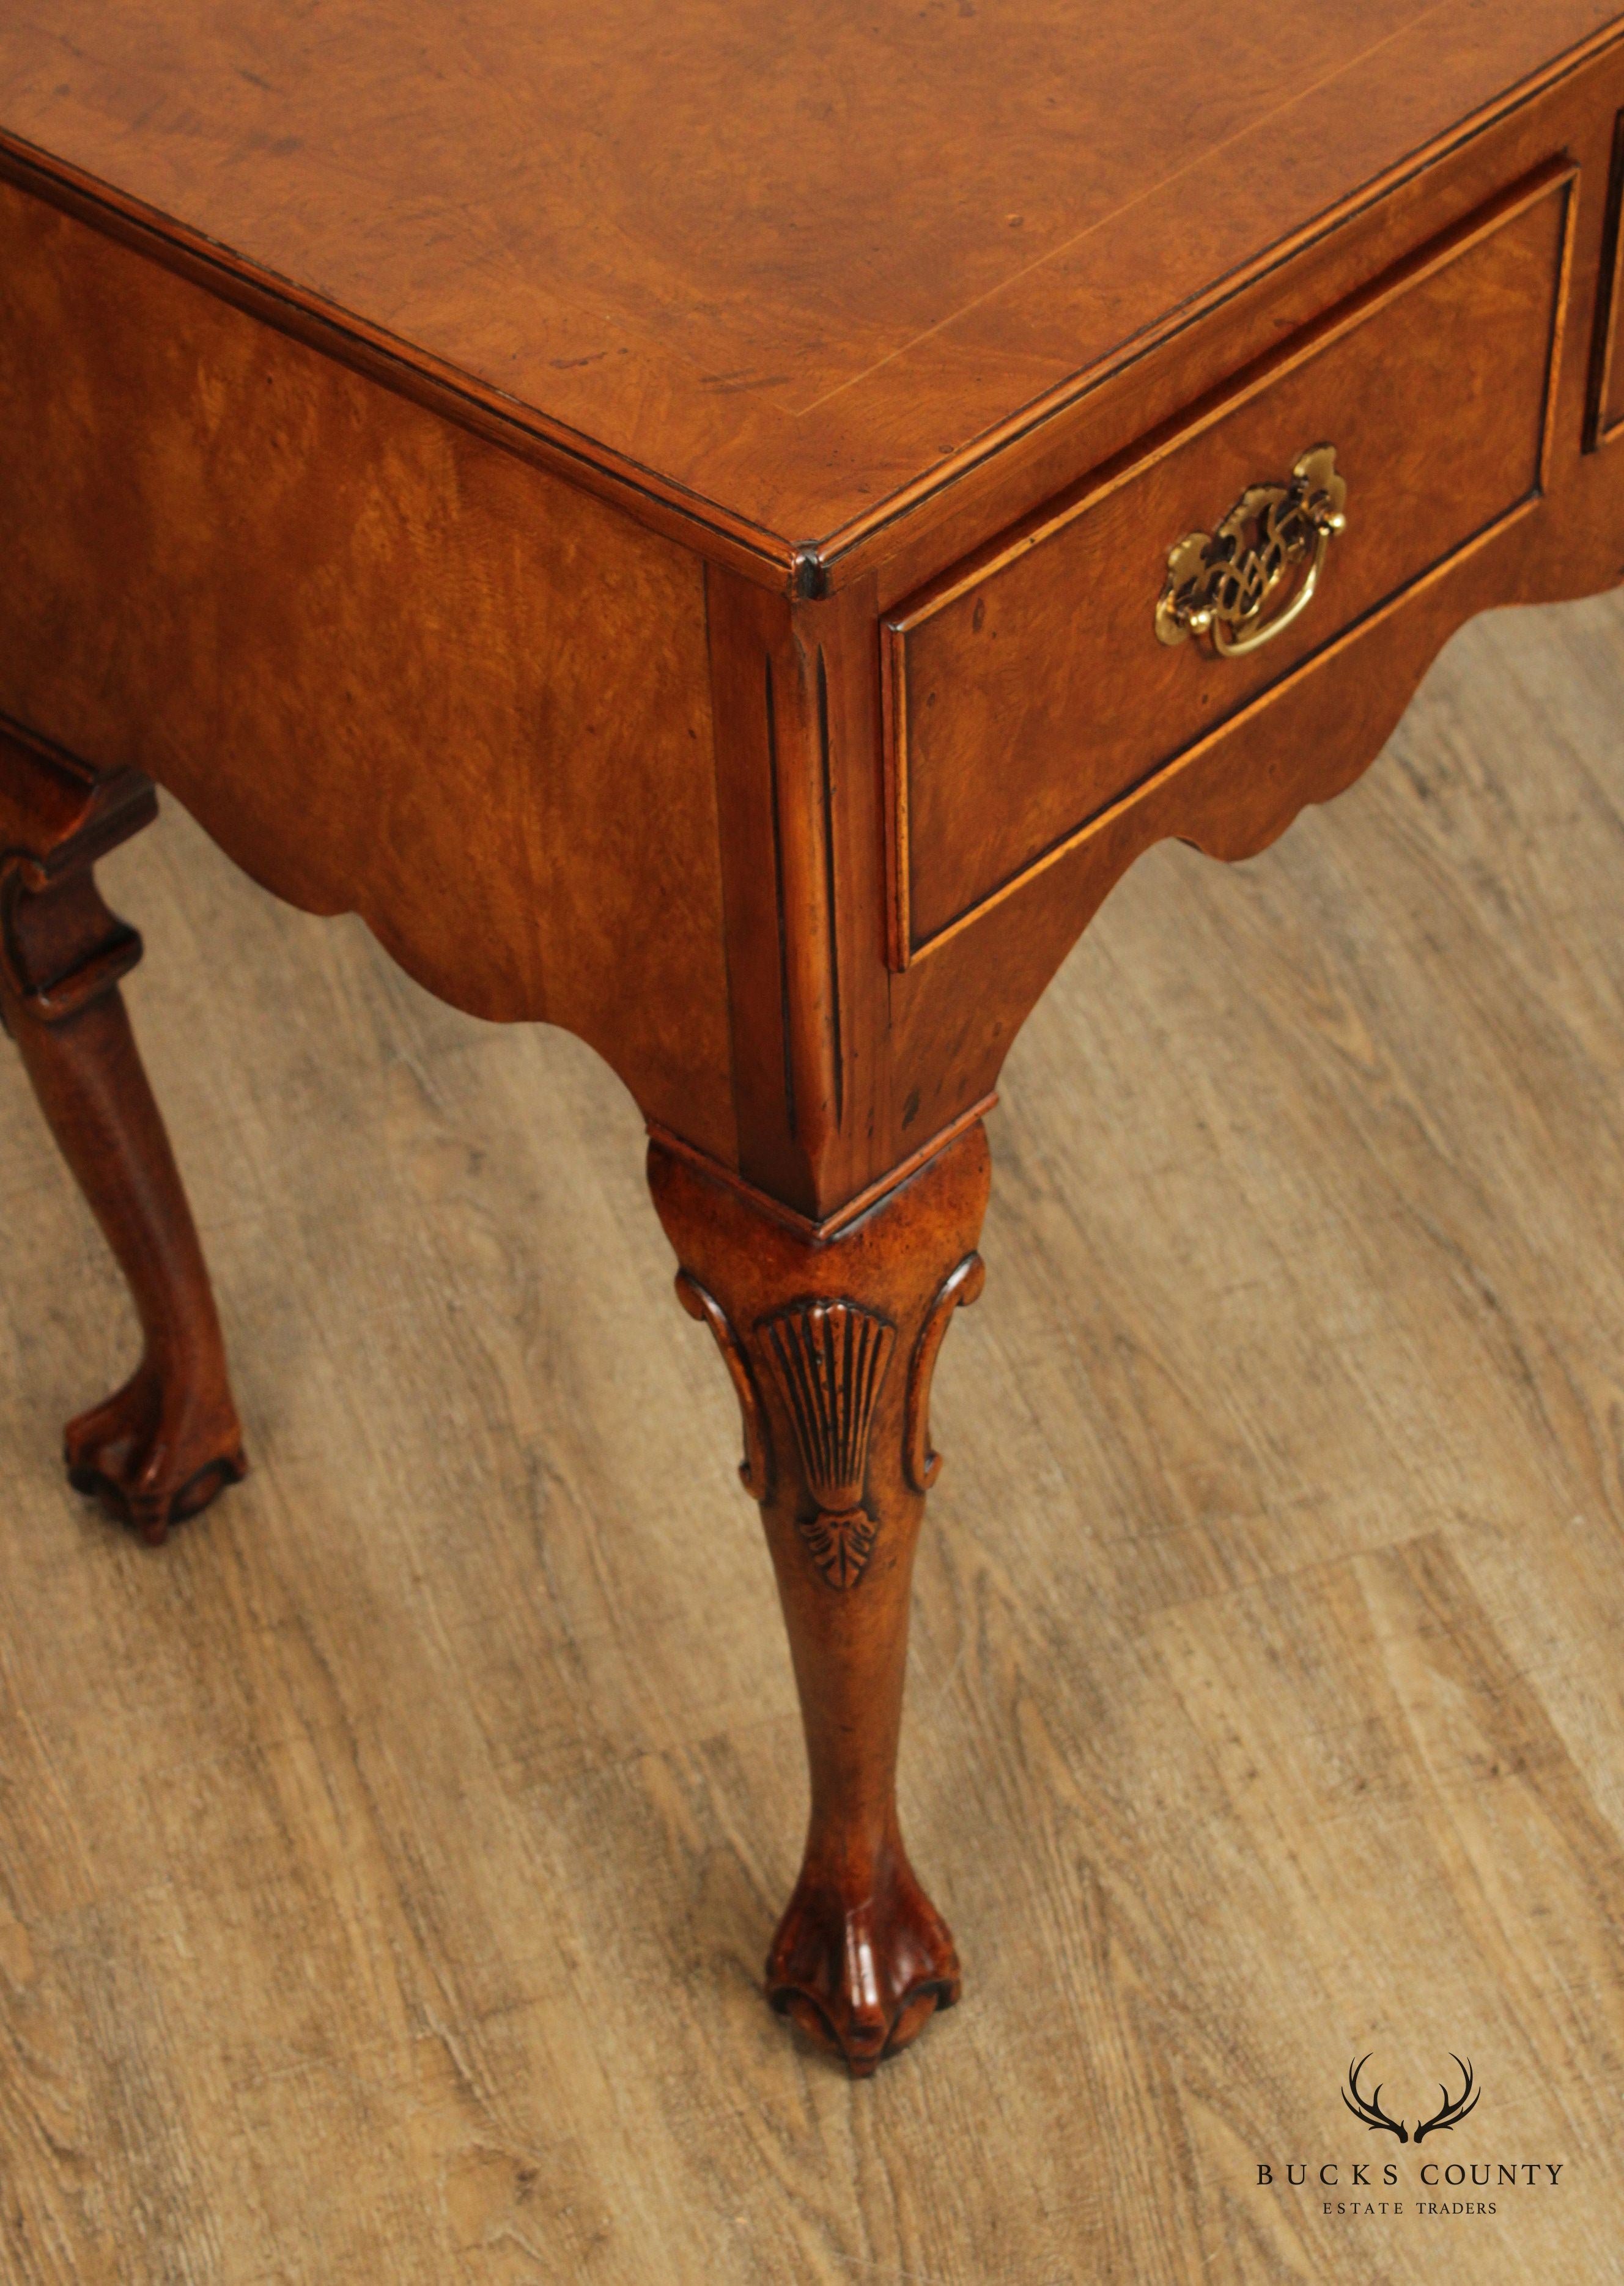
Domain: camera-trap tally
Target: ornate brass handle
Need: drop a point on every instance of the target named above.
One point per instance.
(1221, 584)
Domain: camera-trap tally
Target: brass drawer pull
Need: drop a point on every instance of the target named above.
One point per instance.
(1221, 584)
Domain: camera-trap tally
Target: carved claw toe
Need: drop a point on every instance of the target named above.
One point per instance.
(153, 1454)
(862, 1977)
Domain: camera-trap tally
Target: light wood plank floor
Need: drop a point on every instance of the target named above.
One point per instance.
(385, 1867)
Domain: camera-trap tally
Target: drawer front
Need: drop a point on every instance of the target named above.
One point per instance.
(1028, 690)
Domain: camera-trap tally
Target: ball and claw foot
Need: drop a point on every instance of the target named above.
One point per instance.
(155, 1451)
(863, 1978)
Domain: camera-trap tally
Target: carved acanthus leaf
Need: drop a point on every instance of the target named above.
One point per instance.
(828, 1362)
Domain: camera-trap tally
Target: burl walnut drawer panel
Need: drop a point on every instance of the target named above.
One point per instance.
(1028, 689)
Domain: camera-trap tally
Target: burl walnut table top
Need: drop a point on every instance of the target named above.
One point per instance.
(790, 267)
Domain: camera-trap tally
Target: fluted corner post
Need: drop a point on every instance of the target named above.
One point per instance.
(830, 1338)
(162, 1446)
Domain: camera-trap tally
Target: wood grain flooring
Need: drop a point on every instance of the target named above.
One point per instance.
(386, 1865)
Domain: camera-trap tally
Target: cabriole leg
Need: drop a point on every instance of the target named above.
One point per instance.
(831, 1344)
(165, 1444)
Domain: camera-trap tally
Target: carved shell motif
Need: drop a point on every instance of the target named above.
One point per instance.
(828, 1360)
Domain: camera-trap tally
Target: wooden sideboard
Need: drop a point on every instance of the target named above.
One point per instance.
(728, 530)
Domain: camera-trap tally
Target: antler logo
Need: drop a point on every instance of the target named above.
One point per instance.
(1453, 2109)
(1449, 2114)
(1371, 2113)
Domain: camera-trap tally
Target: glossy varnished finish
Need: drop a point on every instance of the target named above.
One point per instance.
(731, 255)
(701, 592)
(831, 1344)
(645, 767)
(166, 1442)
(392, 669)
